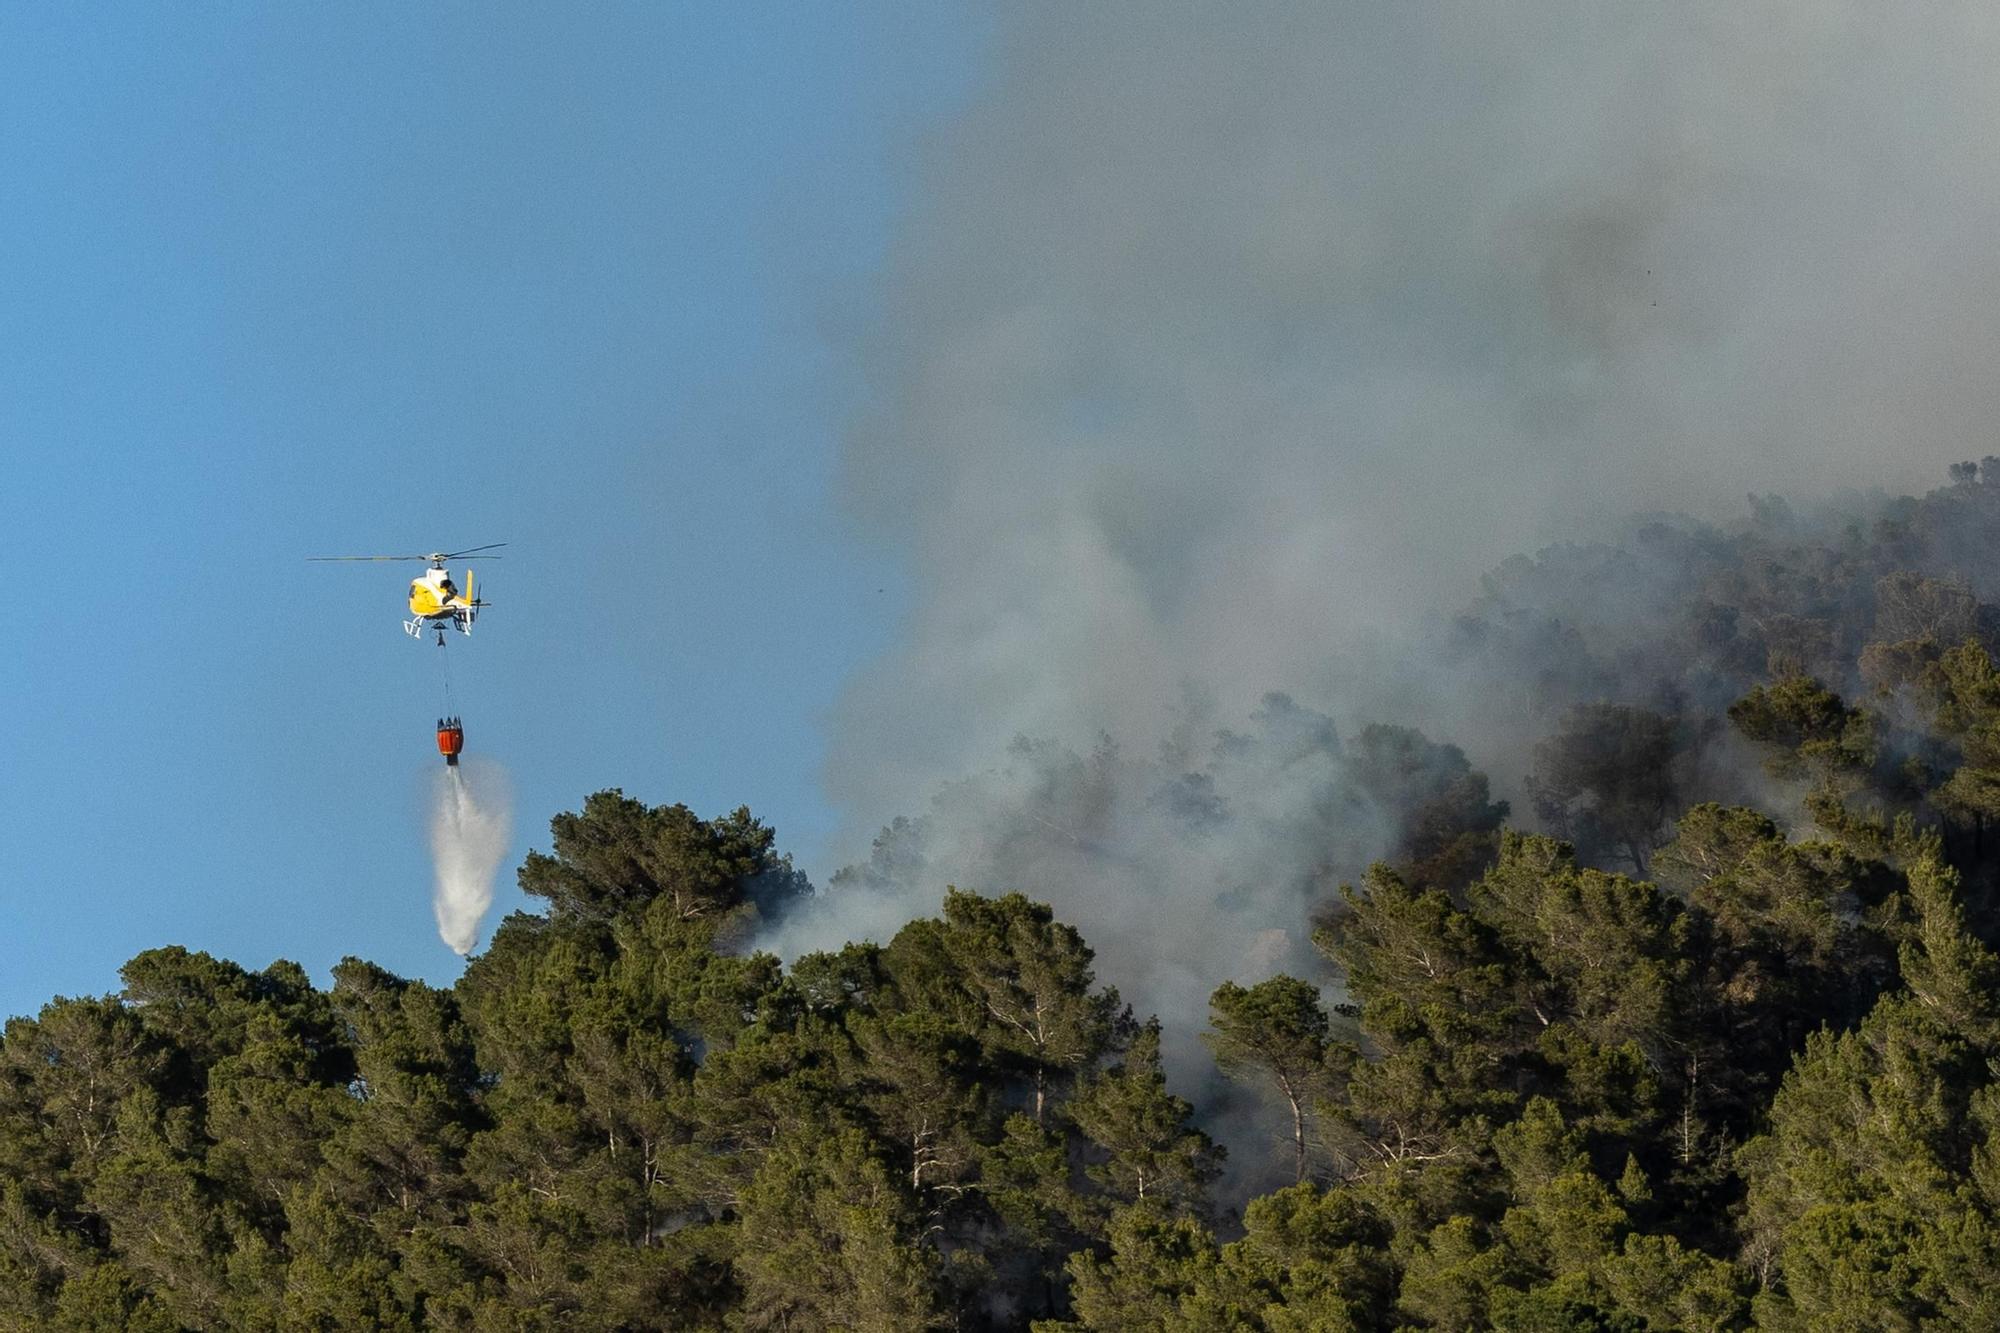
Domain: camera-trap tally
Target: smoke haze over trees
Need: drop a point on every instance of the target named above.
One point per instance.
(1220, 361)
(1214, 349)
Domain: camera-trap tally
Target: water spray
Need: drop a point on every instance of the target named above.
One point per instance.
(471, 818)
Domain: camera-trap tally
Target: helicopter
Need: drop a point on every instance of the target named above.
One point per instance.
(435, 601)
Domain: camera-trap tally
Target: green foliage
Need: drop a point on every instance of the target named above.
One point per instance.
(1607, 951)
(1450, 821)
(1809, 728)
(1607, 778)
(1451, 1277)
(619, 854)
(1671, 1287)
(1868, 1206)
(1152, 1151)
(1007, 971)
(1163, 1273)
(1788, 903)
(1274, 1034)
(1417, 963)
(827, 1243)
(1314, 1259)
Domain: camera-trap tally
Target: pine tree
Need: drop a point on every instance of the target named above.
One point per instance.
(1275, 1035)
(1153, 1152)
(828, 1242)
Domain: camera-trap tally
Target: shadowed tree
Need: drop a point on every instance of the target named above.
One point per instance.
(67, 1072)
(1811, 731)
(1438, 1003)
(1153, 1152)
(1032, 977)
(399, 1154)
(1163, 1274)
(162, 1212)
(1606, 780)
(1606, 951)
(827, 1243)
(1963, 689)
(618, 854)
(1447, 819)
(1313, 1259)
(1274, 1036)
(1871, 1201)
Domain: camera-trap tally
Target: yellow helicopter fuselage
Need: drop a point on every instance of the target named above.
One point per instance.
(433, 596)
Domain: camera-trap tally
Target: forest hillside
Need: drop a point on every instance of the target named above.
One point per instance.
(1669, 1000)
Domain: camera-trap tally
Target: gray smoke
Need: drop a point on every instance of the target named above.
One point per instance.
(1220, 343)
(1183, 867)
(1161, 860)
(471, 821)
(1223, 345)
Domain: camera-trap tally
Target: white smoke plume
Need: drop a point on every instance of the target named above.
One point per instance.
(1183, 868)
(471, 821)
(1161, 860)
(1219, 347)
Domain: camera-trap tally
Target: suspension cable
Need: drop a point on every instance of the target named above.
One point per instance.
(444, 657)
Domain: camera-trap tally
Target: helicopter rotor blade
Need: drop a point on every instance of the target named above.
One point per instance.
(433, 557)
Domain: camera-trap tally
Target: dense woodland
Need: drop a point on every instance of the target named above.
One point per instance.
(1704, 1034)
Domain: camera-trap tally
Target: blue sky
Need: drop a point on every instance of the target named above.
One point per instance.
(278, 281)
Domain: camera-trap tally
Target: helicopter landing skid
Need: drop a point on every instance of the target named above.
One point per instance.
(416, 629)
